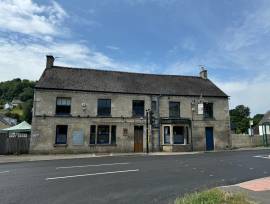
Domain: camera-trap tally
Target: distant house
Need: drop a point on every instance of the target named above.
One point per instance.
(16, 102)
(6, 122)
(265, 121)
(8, 106)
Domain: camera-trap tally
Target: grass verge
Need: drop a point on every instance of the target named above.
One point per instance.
(214, 196)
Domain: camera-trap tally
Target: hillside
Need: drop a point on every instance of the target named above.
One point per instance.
(22, 90)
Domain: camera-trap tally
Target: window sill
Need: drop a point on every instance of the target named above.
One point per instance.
(175, 144)
(60, 145)
(104, 116)
(208, 118)
(138, 117)
(104, 145)
(63, 115)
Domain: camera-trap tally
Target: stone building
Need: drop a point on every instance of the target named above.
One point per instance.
(87, 110)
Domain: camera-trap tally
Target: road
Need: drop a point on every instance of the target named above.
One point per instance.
(127, 179)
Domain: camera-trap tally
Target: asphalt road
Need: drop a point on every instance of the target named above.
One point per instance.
(127, 179)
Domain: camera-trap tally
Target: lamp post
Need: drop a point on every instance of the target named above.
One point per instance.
(147, 136)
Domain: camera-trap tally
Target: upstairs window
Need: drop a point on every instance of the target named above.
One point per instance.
(104, 107)
(63, 106)
(208, 110)
(174, 109)
(138, 108)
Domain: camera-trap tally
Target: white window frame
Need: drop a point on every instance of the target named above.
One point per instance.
(171, 134)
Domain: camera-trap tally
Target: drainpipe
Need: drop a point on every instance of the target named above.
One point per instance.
(158, 120)
(191, 126)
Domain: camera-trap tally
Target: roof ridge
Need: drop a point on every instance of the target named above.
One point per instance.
(125, 72)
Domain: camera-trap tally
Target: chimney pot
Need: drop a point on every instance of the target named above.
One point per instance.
(50, 61)
(203, 73)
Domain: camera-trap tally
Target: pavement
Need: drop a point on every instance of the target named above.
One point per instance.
(129, 179)
(47, 157)
(257, 190)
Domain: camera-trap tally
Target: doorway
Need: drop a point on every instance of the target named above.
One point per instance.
(209, 138)
(138, 138)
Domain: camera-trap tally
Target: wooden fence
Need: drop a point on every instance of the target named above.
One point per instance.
(14, 143)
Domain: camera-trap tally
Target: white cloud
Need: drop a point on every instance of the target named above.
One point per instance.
(32, 32)
(253, 93)
(27, 17)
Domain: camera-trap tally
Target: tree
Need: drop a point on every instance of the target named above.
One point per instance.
(27, 111)
(240, 118)
(257, 118)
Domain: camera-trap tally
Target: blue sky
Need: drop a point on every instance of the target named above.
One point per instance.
(230, 38)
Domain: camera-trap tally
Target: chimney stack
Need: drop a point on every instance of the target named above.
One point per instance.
(203, 73)
(50, 61)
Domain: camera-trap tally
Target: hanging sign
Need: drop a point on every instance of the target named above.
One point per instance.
(200, 109)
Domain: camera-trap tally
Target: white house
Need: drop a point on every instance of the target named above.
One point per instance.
(264, 124)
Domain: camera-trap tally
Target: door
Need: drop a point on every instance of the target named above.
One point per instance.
(209, 137)
(138, 138)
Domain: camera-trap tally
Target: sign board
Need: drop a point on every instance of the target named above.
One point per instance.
(200, 109)
(77, 137)
(251, 122)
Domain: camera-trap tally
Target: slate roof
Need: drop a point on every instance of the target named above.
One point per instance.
(8, 121)
(266, 118)
(64, 78)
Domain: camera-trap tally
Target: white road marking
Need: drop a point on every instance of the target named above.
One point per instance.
(90, 165)
(263, 156)
(2, 172)
(93, 174)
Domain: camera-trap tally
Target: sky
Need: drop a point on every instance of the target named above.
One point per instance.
(229, 37)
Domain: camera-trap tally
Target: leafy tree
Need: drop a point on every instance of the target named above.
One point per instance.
(257, 118)
(27, 111)
(18, 89)
(27, 94)
(240, 118)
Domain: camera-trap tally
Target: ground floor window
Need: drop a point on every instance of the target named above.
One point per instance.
(178, 135)
(61, 134)
(175, 134)
(102, 134)
(167, 135)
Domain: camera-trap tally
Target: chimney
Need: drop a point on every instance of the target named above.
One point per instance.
(203, 73)
(50, 60)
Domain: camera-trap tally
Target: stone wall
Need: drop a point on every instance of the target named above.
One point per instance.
(244, 140)
(45, 121)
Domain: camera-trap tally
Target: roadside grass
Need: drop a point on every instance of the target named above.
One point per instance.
(214, 196)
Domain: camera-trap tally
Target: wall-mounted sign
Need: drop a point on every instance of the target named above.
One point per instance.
(125, 132)
(77, 137)
(200, 109)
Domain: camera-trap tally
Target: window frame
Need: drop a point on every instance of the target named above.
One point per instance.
(57, 106)
(57, 135)
(169, 129)
(205, 109)
(170, 110)
(95, 135)
(101, 111)
(140, 113)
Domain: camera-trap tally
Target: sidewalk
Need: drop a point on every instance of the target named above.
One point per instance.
(36, 157)
(42, 157)
(257, 190)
